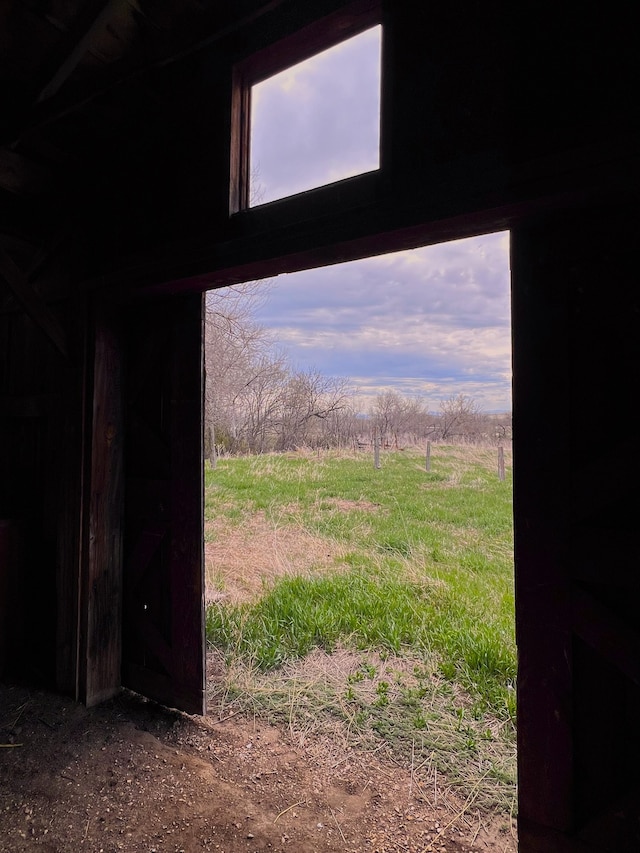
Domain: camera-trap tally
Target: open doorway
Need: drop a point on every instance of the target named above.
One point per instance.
(368, 603)
(358, 505)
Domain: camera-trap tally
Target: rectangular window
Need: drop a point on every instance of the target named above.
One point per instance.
(305, 120)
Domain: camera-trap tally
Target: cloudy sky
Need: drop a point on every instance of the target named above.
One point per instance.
(428, 322)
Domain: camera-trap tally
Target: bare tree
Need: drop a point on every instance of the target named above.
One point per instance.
(498, 428)
(342, 427)
(233, 345)
(460, 418)
(400, 419)
(254, 402)
(260, 404)
(310, 400)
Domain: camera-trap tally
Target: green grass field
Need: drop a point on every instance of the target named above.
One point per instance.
(405, 582)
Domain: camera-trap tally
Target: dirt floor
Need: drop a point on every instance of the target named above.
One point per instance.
(132, 776)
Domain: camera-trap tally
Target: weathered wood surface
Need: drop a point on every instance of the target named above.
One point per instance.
(34, 306)
(163, 652)
(576, 634)
(22, 176)
(101, 568)
(40, 418)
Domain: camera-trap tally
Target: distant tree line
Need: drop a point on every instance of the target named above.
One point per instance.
(256, 401)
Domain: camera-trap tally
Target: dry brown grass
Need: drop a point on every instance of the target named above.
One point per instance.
(310, 697)
(243, 559)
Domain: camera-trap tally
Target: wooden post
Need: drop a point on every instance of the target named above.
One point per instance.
(428, 460)
(376, 449)
(501, 463)
(213, 457)
(101, 568)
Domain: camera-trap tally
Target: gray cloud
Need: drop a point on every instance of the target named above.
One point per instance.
(429, 322)
(435, 319)
(318, 122)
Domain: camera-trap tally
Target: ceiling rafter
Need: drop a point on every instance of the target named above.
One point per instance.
(163, 50)
(73, 46)
(32, 303)
(19, 174)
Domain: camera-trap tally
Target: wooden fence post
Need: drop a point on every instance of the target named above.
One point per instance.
(376, 449)
(428, 460)
(213, 456)
(501, 463)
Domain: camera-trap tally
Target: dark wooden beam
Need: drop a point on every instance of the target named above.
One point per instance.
(73, 46)
(21, 176)
(317, 35)
(613, 637)
(32, 303)
(101, 578)
(47, 252)
(163, 48)
(25, 406)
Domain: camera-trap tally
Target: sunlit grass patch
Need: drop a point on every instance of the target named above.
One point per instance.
(412, 566)
(372, 611)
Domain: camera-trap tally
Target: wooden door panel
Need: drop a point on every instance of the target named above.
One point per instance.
(163, 628)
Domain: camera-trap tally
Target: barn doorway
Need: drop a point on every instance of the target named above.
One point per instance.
(293, 519)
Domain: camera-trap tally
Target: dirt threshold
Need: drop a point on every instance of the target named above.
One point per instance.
(130, 775)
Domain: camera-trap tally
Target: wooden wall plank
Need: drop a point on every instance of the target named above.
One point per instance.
(40, 420)
(101, 640)
(163, 652)
(31, 302)
(576, 355)
(187, 490)
(540, 386)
